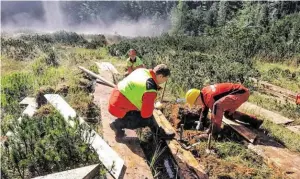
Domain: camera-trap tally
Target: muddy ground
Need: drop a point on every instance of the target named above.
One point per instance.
(230, 157)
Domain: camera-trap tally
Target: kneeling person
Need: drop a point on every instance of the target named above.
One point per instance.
(132, 101)
(222, 98)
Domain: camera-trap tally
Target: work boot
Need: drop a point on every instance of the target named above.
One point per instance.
(117, 128)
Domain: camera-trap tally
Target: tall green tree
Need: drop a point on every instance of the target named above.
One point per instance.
(179, 18)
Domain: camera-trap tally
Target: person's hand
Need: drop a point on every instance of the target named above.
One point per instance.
(158, 105)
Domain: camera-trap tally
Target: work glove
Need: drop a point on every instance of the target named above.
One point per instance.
(158, 105)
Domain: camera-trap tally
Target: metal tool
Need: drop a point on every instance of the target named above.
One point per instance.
(208, 149)
(163, 92)
(181, 132)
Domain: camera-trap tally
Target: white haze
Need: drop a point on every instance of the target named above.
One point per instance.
(55, 20)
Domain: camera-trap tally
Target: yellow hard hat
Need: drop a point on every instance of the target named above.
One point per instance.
(191, 96)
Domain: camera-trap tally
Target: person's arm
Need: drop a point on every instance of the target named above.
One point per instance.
(148, 104)
(129, 66)
(204, 113)
(130, 69)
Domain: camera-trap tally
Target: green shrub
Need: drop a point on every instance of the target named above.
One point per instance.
(17, 49)
(15, 87)
(96, 42)
(46, 144)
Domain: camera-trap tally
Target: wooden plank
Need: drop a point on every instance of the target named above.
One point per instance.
(275, 90)
(295, 129)
(97, 76)
(106, 66)
(109, 158)
(87, 172)
(28, 100)
(163, 123)
(241, 129)
(189, 167)
(277, 155)
(31, 108)
(128, 147)
(264, 113)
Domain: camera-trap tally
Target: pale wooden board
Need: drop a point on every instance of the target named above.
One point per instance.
(128, 147)
(261, 112)
(29, 110)
(78, 173)
(241, 129)
(106, 66)
(188, 165)
(163, 122)
(285, 160)
(275, 90)
(28, 100)
(295, 129)
(186, 161)
(109, 158)
(31, 106)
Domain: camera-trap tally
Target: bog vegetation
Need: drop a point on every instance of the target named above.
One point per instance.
(209, 42)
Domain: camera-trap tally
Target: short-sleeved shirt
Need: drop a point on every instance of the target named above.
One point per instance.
(137, 62)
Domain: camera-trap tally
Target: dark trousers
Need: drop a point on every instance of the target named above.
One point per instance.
(134, 120)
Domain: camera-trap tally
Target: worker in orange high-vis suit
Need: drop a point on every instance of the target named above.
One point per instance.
(132, 101)
(222, 98)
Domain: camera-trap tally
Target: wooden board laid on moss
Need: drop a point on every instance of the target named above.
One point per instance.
(109, 158)
(279, 156)
(275, 90)
(261, 112)
(87, 172)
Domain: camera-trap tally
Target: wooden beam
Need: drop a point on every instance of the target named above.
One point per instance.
(109, 158)
(264, 113)
(87, 172)
(275, 90)
(189, 167)
(280, 157)
(106, 66)
(163, 123)
(97, 76)
(241, 129)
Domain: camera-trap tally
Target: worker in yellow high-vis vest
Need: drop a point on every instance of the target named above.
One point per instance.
(132, 101)
(133, 62)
